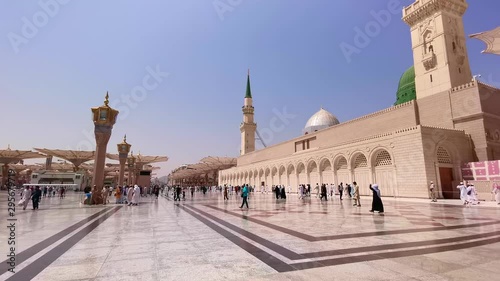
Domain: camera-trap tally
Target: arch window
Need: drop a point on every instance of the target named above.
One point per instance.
(360, 161)
(383, 159)
(342, 163)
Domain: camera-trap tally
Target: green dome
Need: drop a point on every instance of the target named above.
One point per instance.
(406, 89)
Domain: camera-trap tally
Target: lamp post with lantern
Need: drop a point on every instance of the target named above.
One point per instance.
(123, 150)
(104, 118)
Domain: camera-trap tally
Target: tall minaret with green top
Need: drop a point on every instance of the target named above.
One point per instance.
(248, 126)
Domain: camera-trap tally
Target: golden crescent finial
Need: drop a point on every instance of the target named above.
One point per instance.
(125, 138)
(106, 99)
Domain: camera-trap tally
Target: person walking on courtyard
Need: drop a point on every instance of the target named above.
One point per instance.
(244, 195)
(178, 191)
(35, 197)
(277, 192)
(463, 192)
(323, 193)
(472, 195)
(341, 190)
(44, 191)
(26, 197)
(316, 189)
(332, 189)
(496, 192)
(282, 192)
(377, 199)
(118, 194)
(156, 191)
(225, 193)
(192, 191)
(130, 194)
(137, 195)
(104, 195)
(357, 200)
(432, 190)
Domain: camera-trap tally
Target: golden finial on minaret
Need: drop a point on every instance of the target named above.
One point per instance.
(106, 99)
(125, 138)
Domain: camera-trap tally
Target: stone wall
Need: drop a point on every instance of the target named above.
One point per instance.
(412, 165)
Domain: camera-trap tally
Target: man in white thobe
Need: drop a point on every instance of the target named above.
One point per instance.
(26, 197)
(137, 195)
(463, 192)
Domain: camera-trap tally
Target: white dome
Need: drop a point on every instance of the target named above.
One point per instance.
(320, 120)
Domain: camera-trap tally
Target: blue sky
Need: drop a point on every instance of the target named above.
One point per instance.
(51, 77)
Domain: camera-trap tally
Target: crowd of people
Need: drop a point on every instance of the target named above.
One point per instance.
(36, 193)
(129, 195)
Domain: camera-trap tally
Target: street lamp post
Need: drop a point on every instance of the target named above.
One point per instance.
(104, 118)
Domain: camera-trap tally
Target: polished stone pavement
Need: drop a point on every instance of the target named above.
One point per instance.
(206, 238)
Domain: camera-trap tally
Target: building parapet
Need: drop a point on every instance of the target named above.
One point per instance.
(471, 84)
(447, 129)
(406, 130)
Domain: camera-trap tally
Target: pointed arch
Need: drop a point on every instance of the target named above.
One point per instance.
(340, 162)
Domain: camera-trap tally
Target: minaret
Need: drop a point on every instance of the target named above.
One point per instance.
(248, 127)
(438, 42)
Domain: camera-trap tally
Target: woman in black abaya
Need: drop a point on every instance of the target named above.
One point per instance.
(377, 201)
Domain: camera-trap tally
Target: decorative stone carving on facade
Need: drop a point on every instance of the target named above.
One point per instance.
(383, 158)
(430, 61)
(418, 11)
(460, 60)
(443, 156)
(427, 25)
(360, 161)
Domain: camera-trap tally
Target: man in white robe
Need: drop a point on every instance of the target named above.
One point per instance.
(463, 192)
(137, 195)
(496, 192)
(26, 197)
(472, 195)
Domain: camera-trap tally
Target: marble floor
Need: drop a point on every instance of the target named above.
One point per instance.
(206, 238)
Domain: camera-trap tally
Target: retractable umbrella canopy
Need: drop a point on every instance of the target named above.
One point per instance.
(492, 40)
(8, 155)
(206, 166)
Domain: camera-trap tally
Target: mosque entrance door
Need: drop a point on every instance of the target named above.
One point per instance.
(446, 177)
